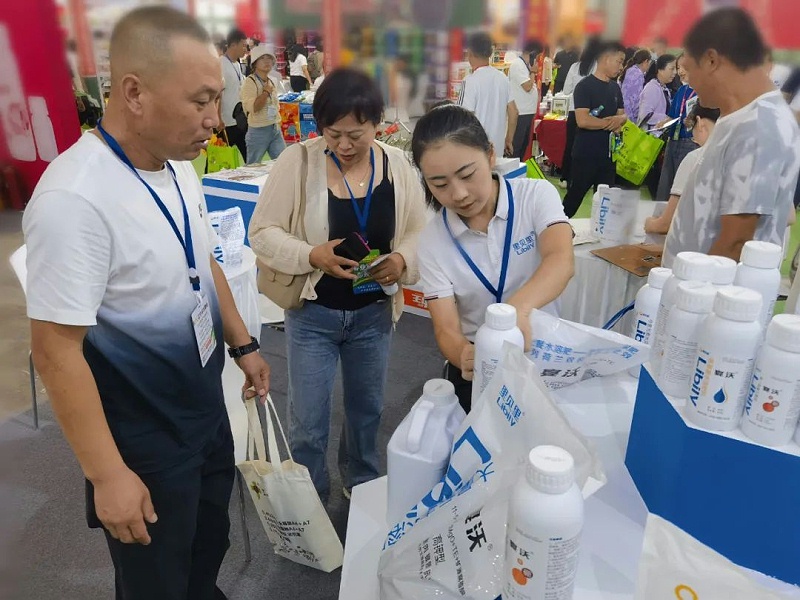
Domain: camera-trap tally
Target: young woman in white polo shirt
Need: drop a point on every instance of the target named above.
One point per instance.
(491, 240)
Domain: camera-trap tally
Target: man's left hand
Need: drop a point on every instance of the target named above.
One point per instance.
(256, 375)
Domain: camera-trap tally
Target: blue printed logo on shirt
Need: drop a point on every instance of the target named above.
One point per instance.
(525, 244)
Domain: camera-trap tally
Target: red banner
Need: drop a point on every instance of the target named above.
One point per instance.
(536, 20)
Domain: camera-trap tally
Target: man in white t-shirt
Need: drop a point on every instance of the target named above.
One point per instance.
(744, 185)
(232, 77)
(522, 78)
(129, 313)
(487, 93)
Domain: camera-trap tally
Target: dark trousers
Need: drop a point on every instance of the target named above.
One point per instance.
(587, 172)
(236, 138)
(674, 154)
(190, 538)
(298, 83)
(463, 387)
(522, 135)
(566, 163)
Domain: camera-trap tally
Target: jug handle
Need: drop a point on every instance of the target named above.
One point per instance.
(417, 427)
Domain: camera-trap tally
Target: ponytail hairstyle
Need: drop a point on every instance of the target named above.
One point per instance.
(637, 59)
(447, 123)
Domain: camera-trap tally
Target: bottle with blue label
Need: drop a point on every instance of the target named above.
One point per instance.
(645, 309)
(773, 404)
(723, 365)
(595, 112)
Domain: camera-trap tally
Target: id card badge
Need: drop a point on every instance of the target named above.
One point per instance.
(364, 283)
(204, 329)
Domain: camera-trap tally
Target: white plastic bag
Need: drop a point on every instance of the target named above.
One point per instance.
(568, 352)
(675, 565)
(229, 226)
(451, 544)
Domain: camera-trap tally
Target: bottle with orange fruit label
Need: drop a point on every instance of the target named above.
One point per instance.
(545, 520)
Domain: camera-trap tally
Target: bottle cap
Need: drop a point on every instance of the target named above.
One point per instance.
(658, 277)
(550, 469)
(783, 332)
(501, 316)
(724, 270)
(439, 391)
(738, 304)
(695, 297)
(761, 255)
(694, 266)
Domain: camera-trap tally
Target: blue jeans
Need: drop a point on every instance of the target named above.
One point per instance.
(316, 338)
(260, 140)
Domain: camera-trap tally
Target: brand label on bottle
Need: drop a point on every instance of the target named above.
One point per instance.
(773, 403)
(720, 385)
(643, 327)
(540, 567)
(676, 370)
(486, 369)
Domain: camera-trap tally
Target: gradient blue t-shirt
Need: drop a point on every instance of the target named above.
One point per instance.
(102, 255)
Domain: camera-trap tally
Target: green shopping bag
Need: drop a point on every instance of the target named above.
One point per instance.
(638, 153)
(223, 157)
(533, 170)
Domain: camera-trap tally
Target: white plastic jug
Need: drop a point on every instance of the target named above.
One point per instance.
(419, 450)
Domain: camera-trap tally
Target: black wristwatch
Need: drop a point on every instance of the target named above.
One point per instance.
(244, 350)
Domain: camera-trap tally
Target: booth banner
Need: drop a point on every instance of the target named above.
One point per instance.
(290, 121)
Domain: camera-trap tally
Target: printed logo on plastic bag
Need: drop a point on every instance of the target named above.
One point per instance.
(568, 352)
(465, 514)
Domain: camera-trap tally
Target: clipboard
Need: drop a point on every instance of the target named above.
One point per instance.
(636, 259)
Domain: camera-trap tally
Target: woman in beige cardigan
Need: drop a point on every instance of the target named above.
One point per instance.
(353, 186)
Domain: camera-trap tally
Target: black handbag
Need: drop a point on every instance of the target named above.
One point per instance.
(240, 116)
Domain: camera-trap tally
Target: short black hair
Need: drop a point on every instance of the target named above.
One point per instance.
(447, 123)
(663, 61)
(732, 32)
(344, 92)
(703, 112)
(611, 47)
(235, 36)
(532, 46)
(480, 44)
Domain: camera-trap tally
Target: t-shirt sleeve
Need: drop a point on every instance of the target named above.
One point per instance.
(302, 61)
(546, 208)
(582, 96)
(685, 169)
(620, 99)
(516, 73)
(467, 98)
(432, 277)
(69, 259)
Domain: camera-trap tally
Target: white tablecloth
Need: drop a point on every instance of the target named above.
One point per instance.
(242, 282)
(611, 541)
(599, 289)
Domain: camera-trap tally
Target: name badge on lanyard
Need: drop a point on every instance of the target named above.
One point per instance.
(202, 321)
(497, 292)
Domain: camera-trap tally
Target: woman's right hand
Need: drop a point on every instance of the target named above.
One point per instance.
(322, 257)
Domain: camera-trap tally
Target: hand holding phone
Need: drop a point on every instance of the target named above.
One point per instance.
(323, 257)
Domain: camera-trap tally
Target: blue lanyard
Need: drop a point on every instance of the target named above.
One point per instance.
(498, 292)
(186, 244)
(361, 215)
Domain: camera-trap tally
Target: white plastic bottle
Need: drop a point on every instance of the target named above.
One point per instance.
(773, 404)
(601, 190)
(500, 326)
(724, 271)
(419, 449)
(759, 271)
(545, 519)
(694, 301)
(645, 309)
(723, 365)
(688, 266)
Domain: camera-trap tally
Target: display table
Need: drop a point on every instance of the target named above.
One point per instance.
(611, 543)
(242, 282)
(551, 134)
(237, 187)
